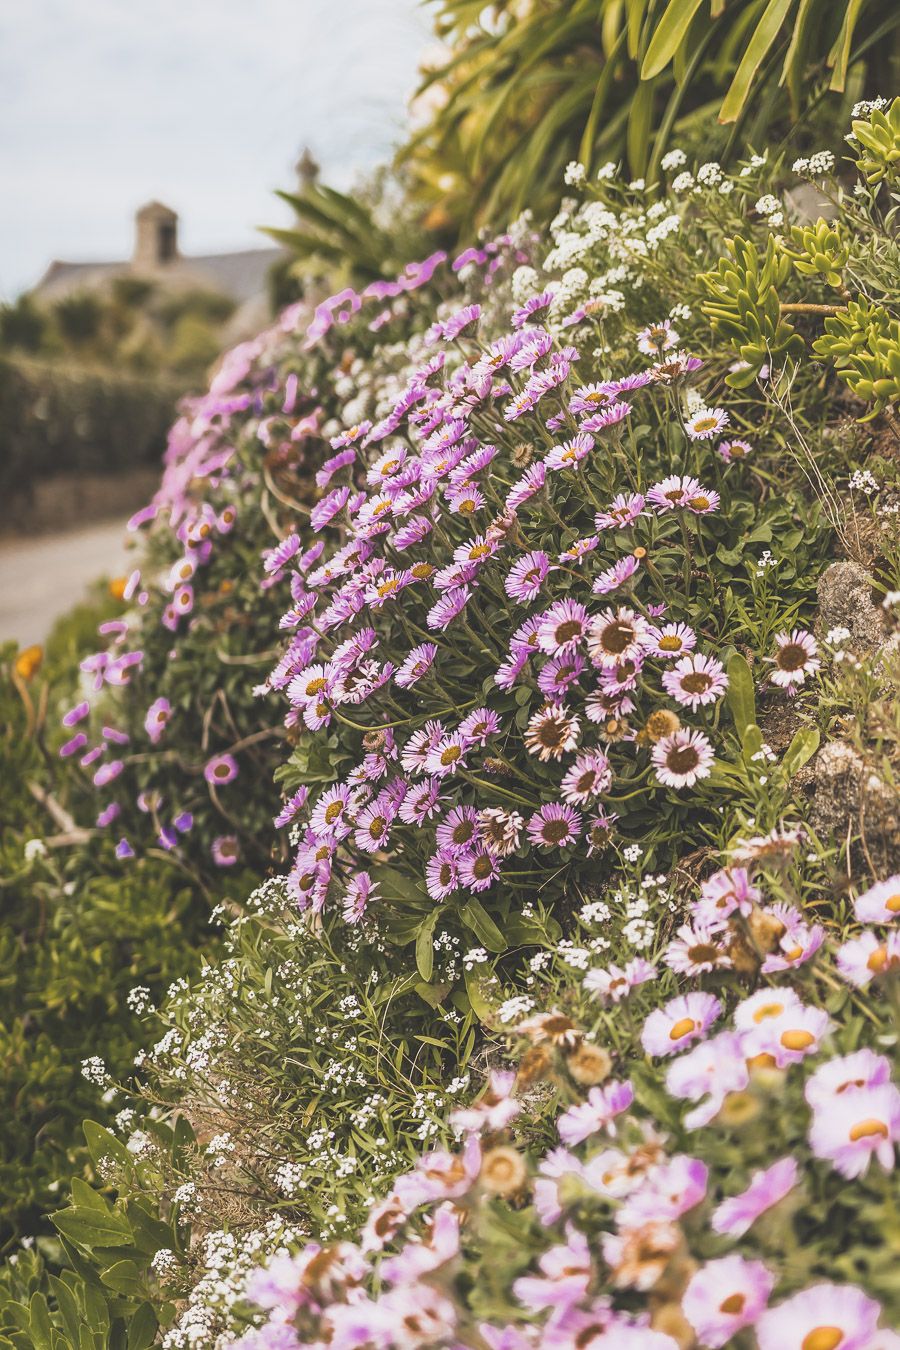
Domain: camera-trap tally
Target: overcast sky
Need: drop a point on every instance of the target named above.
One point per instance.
(203, 104)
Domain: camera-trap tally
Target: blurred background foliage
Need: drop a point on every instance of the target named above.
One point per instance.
(79, 931)
(519, 88)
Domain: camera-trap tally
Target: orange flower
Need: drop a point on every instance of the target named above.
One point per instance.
(28, 661)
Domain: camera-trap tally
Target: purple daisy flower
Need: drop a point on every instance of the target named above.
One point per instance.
(221, 769)
(421, 802)
(525, 578)
(225, 850)
(613, 577)
(610, 416)
(478, 870)
(695, 680)
(562, 627)
(418, 663)
(527, 486)
(569, 453)
(554, 825)
(536, 304)
(623, 511)
(441, 875)
(157, 719)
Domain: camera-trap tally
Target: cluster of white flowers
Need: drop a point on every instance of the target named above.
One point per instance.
(867, 106)
(578, 958)
(139, 1001)
(34, 848)
(227, 1260)
(164, 1265)
(765, 562)
(475, 956)
(673, 159)
(219, 1148)
(815, 165)
(94, 1070)
(575, 174)
(514, 1008)
(862, 480)
(770, 208)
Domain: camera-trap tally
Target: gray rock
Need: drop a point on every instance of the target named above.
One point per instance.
(845, 601)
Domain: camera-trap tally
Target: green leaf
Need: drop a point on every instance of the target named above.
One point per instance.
(102, 1143)
(475, 916)
(124, 1277)
(142, 1328)
(764, 35)
(88, 1228)
(39, 1325)
(669, 35)
(479, 1004)
(741, 696)
(425, 945)
(800, 751)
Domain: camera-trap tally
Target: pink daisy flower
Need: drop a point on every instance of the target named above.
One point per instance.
(880, 903)
(551, 732)
(609, 416)
(559, 673)
(697, 948)
(682, 758)
(458, 832)
(221, 769)
(712, 1070)
(706, 423)
(597, 1113)
(624, 510)
(736, 449)
(733, 1217)
(862, 959)
(726, 891)
(657, 337)
(589, 776)
(822, 1317)
(569, 453)
(856, 1125)
(562, 627)
(796, 656)
(356, 900)
(418, 663)
(673, 492)
(613, 577)
(695, 680)
(724, 1296)
(554, 825)
(846, 1073)
(478, 870)
(670, 640)
(615, 636)
(441, 876)
(680, 1022)
(788, 1038)
(531, 482)
(616, 982)
(526, 577)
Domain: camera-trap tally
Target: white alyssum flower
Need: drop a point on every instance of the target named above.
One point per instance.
(673, 159)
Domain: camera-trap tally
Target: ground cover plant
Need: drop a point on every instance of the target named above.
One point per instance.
(568, 1017)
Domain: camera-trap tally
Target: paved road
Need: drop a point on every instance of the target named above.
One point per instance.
(43, 576)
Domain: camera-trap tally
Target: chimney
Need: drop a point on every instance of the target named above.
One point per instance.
(155, 237)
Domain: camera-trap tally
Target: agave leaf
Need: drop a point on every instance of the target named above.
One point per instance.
(764, 35)
(668, 36)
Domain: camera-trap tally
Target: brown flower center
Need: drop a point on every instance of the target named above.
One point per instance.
(792, 656)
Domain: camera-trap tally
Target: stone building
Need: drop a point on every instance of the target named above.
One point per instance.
(156, 256)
